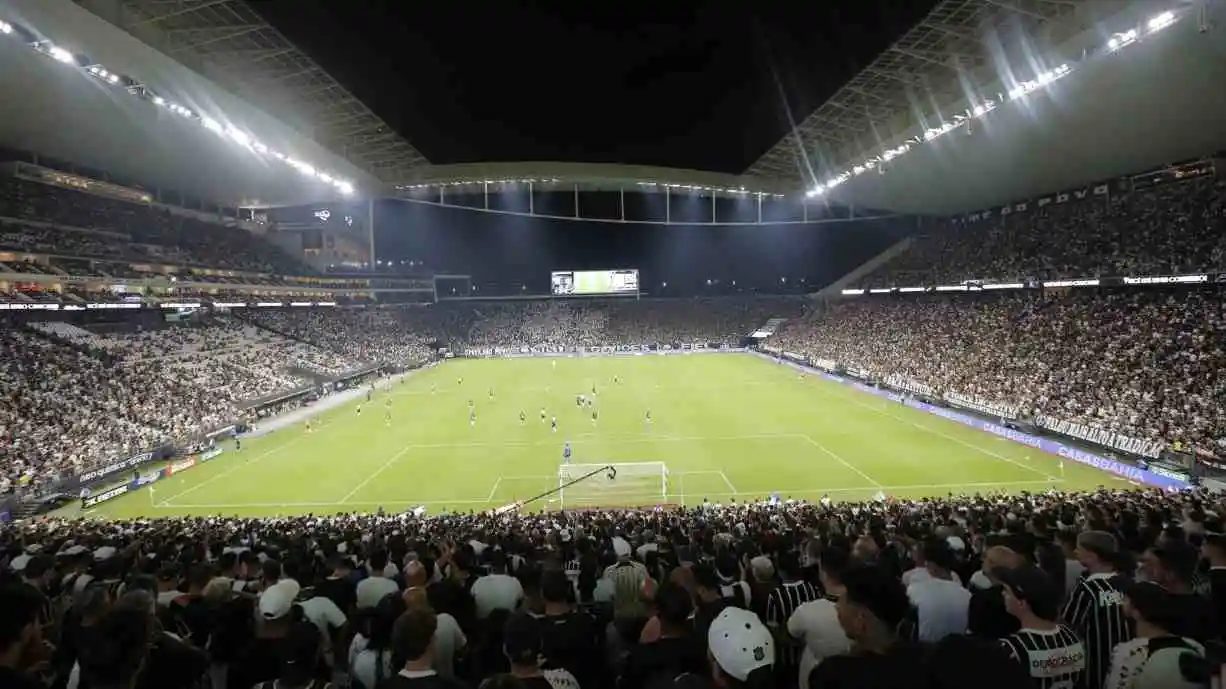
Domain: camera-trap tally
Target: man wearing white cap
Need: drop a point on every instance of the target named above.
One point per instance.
(742, 652)
(628, 578)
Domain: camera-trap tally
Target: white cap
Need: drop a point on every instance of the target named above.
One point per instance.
(956, 543)
(277, 600)
(740, 643)
(74, 550)
(621, 547)
(19, 563)
(106, 552)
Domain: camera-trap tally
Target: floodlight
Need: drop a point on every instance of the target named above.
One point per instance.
(114, 78)
(1161, 21)
(345, 188)
(62, 55)
(6, 28)
(812, 192)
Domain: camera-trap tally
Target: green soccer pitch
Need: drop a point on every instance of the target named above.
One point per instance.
(727, 426)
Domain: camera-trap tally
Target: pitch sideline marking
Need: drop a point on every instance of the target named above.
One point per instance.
(838, 458)
(386, 465)
(854, 398)
(477, 501)
(254, 460)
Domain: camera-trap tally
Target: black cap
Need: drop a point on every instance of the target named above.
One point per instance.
(521, 639)
(1032, 585)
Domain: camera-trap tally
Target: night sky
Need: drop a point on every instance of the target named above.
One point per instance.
(692, 85)
(704, 85)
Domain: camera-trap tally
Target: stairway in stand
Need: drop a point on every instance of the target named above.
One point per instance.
(769, 327)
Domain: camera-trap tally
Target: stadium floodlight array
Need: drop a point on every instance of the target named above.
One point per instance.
(136, 88)
(1041, 80)
(628, 484)
(980, 285)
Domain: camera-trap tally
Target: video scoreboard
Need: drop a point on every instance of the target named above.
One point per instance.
(594, 282)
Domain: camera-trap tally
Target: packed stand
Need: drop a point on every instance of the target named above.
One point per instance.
(383, 335)
(148, 233)
(1170, 229)
(1144, 363)
(1111, 590)
(551, 325)
(67, 408)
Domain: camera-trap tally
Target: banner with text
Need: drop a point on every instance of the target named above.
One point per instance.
(1109, 439)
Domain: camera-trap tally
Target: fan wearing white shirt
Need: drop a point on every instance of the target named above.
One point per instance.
(497, 590)
(376, 585)
(816, 623)
(939, 600)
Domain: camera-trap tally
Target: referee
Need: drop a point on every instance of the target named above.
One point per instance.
(1053, 655)
(1095, 607)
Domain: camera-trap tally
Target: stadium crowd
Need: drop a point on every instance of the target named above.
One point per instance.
(1143, 363)
(73, 223)
(1110, 590)
(1167, 229)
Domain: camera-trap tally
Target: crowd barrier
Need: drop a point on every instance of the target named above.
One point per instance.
(676, 348)
(1158, 478)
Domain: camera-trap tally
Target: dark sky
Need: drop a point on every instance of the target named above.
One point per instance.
(678, 84)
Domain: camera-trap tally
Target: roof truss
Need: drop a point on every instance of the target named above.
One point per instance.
(924, 68)
(233, 45)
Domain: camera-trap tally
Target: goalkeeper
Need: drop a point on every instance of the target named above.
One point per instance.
(566, 453)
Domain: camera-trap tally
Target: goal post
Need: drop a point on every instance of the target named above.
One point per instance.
(628, 483)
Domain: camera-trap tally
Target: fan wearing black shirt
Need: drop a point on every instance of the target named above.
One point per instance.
(675, 652)
(521, 641)
(21, 641)
(986, 616)
(570, 636)
(783, 600)
(413, 639)
(1052, 653)
(873, 605)
(339, 587)
(709, 601)
(1214, 550)
(1095, 606)
(1172, 566)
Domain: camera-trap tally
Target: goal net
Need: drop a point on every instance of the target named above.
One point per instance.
(627, 484)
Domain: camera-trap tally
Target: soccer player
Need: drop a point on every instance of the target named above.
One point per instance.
(555, 424)
(594, 412)
(579, 401)
(459, 381)
(387, 413)
(238, 444)
(308, 425)
(470, 404)
(566, 453)
(472, 418)
(359, 410)
(491, 394)
(593, 388)
(522, 417)
(647, 419)
(542, 415)
(616, 380)
(433, 388)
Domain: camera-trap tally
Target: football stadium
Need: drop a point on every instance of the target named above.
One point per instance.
(351, 383)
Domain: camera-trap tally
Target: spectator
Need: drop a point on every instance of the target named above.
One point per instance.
(1053, 653)
(742, 650)
(370, 652)
(871, 609)
(791, 593)
(987, 616)
(816, 622)
(570, 636)
(497, 590)
(117, 654)
(1157, 658)
(377, 583)
(449, 638)
(413, 639)
(939, 600)
(1094, 609)
(22, 649)
(523, 645)
(1172, 566)
(674, 652)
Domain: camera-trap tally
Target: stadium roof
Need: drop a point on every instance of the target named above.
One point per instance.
(231, 44)
(1111, 117)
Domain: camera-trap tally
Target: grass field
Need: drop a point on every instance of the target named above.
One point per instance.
(727, 427)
